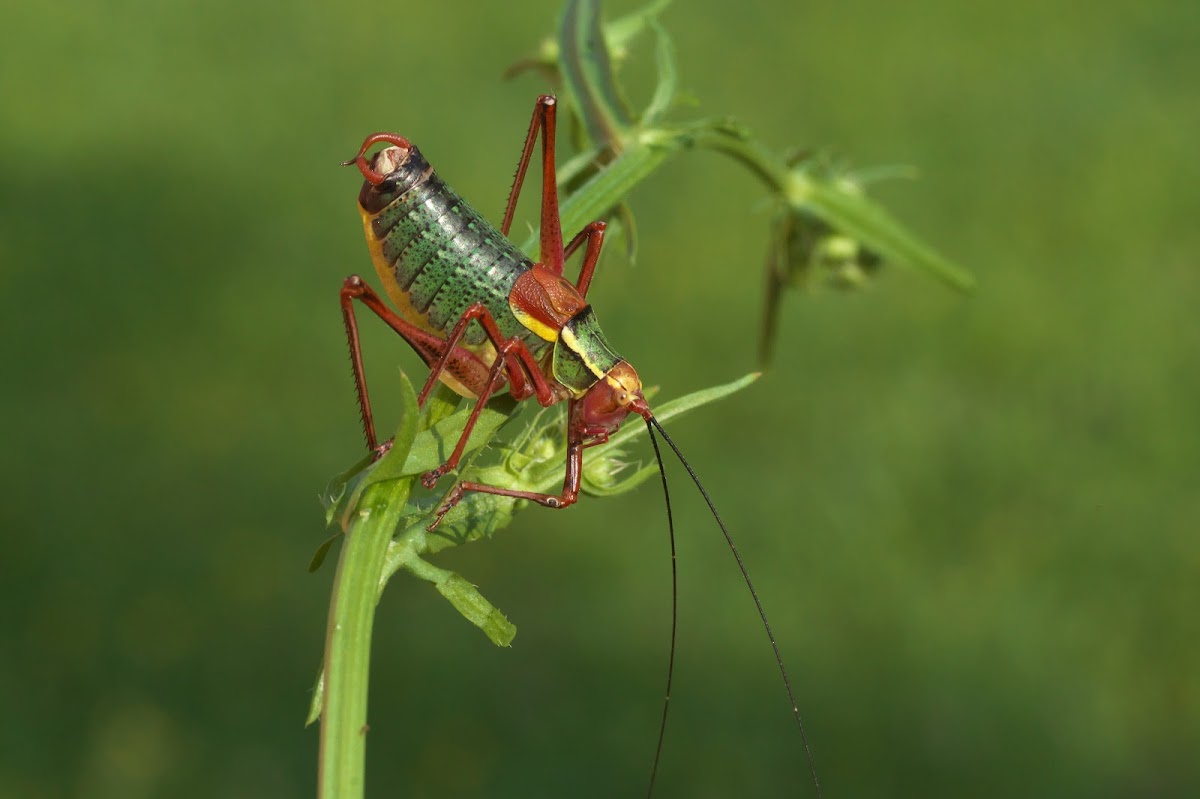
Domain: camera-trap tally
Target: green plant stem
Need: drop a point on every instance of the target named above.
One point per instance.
(342, 758)
(348, 640)
(728, 139)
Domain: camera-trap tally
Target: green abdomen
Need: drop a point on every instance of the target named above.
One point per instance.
(441, 254)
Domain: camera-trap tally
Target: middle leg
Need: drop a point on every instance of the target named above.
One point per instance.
(513, 359)
(594, 235)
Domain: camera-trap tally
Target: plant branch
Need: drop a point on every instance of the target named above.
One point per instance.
(341, 770)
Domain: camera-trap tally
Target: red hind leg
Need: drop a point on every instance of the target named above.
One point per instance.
(544, 114)
(465, 366)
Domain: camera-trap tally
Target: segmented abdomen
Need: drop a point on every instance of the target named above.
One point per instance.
(440, 254)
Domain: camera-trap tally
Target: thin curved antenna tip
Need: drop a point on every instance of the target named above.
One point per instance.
(662, 727)
(762, 614)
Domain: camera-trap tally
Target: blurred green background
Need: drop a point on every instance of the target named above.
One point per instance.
(972, 520)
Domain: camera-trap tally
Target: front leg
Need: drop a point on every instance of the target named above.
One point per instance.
(568, 496)
(513, 359)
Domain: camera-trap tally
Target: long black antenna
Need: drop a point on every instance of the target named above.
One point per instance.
(662, 727)
(753, 593)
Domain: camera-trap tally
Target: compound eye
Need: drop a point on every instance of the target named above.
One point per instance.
(623, 398)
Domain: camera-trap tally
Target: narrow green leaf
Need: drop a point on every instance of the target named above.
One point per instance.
(477, 610)
(668, 79)
(318, 557)
(778, 278)
(679, 406)
(857, 216)
(442, 403)
(335, 497)
(619, 34)
(317, 701)
(465, 598)
(572, 170)
(623, 30)
(587, 73)
(433, 446)
(605, 190)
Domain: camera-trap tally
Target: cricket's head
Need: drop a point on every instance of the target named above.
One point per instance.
(600, 411)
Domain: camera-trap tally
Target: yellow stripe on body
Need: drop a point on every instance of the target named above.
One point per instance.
(538, 327)
(571, 340)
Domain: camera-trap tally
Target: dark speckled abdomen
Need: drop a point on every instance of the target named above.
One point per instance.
(438, 256)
